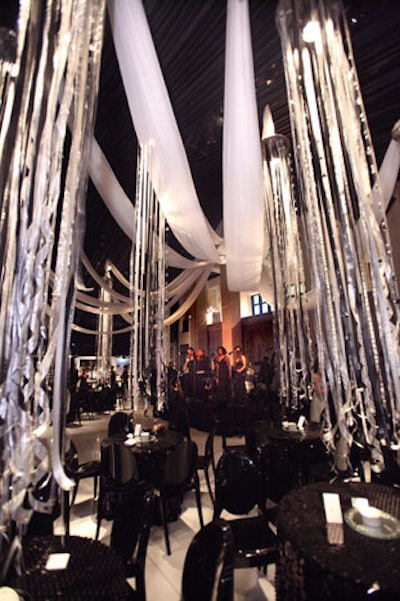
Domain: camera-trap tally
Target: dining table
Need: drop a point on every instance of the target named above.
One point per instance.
(70, 568)
(287, 456)
(150, 451)
(358, 563)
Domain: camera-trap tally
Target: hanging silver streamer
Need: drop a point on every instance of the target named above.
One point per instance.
(292, 331)
(148, 287)
(356, 314)
(104, 334)
(53, 81)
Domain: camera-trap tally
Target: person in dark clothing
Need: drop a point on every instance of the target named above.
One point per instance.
(239, 367)
(222, 367)
(202, 375)
(73, 377)
(83, 388)
(189, 374)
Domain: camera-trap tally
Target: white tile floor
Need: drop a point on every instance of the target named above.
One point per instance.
(163, 572)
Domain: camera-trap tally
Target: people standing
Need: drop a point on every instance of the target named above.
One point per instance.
(222, 367)
(73, 378)
(239, 367)
(202, 374)
(125, 385)
(83, 388)
(189, 374)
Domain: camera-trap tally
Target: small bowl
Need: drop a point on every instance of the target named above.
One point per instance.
(371, 516)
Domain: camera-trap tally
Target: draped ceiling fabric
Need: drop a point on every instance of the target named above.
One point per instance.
(120, 206)
(156, 128)
(194, 76)
(242, 164)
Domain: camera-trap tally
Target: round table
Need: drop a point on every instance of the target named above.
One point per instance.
(151, 455)
(286, 458)
(93, 572)
(309, 568)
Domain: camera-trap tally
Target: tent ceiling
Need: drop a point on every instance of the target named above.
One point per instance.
(189, 37)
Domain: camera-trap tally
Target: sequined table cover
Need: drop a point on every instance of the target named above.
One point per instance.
(309, 568)
(93, 573)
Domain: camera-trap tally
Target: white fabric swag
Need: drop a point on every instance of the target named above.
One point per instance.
(243, 200)
(156, 128)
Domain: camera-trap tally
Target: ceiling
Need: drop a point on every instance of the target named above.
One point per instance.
(189, 37)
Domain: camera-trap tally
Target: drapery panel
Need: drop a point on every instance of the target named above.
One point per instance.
(156, 127)
(243, 202)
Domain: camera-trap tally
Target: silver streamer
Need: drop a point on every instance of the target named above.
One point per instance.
(148, 286)
(292, 329)
(348, 250)
(51, 84)
(104, 334)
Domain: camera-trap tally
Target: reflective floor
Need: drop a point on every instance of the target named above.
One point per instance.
(163, 572)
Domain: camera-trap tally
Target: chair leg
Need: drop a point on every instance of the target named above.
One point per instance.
(75, 492)
(209, 485)
(98, 528)
(164, 519)
(198, 499)
(96, 479)
(66, 511)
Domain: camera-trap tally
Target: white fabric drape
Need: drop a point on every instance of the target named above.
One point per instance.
(119, 204)
(190, 299)
(156, 127)
(243, 203)
(389, 172)
(110, 190)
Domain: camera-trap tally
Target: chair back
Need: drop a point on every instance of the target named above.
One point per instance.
(120, 423)
(71, 460)
(180, 465)
(118, 483)
(179, 419)
(200, 416)
(208, 567)
(237, 484)
(277, 471)
(234, 422)
(118, 464)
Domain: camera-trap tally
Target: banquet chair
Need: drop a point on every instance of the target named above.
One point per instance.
(234, 423)
(274, 463)
(206, 461)
(78, 471)
(120, 423)
(208, 568)
(129, 504)
(179, 476)
(238, 490)
(202, 419)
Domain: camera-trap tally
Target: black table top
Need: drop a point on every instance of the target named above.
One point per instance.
(93, 572)
(360, 561)
(267, 432)
(160, 442)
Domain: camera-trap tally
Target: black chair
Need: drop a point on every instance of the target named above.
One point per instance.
(206, 461)
(120, 423)
(202, 419)
(275, 465)
(129, 504)
(179, 476)
(208, 567)
(234, 423)
(238, 490)
(78, 471)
